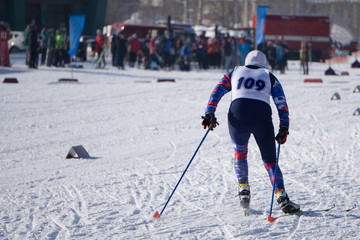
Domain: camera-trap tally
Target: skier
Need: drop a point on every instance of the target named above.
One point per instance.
(250, 112)
(100, 44)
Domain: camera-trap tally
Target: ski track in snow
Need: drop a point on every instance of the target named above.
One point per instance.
(141, 136)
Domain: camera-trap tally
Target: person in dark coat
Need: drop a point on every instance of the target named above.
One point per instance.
(113, 51)
(33, 46)
(121, 49)
(167, 48)
(227, 53)
(200, 52)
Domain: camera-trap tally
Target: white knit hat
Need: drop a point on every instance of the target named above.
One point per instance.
(256, 58)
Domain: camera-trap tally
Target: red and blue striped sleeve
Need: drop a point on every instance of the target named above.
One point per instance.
(223, 87)
(279, 98)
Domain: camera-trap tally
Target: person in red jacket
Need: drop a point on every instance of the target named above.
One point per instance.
(215, 51)
(134, 46)
(100, 47)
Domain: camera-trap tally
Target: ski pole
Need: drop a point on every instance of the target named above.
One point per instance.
(271, 219)
(157, 215)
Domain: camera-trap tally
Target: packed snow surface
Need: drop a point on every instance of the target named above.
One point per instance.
(141, 134)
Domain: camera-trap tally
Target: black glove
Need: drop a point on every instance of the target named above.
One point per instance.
(282, 135)
(209, 121)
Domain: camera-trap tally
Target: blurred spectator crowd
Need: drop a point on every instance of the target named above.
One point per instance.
(163, 51)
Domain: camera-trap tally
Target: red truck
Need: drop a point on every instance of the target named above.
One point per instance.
(294, 29)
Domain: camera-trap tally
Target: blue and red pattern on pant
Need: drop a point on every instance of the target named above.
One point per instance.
(256, 121)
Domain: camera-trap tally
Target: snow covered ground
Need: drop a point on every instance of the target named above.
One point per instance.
(141, 135)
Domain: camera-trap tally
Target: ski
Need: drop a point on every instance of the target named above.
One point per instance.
(245, 206)
(245, 210)
(244, 197)
(350, 209)
(300, 213)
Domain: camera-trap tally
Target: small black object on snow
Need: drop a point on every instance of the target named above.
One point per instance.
(79, 151)
(166, 80)
(330, 71)
(68, 80)
(336, 96)
(355, 64)
(357, 89)
(10, 80)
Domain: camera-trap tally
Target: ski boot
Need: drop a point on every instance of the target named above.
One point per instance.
(285, 204)
(244, 196)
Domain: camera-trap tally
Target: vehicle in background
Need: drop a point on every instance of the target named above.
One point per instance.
(16, 42)
(90, 47)
(86, 48)
(142, 30)
(212, 31)
(295, 29)
(351, 47)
